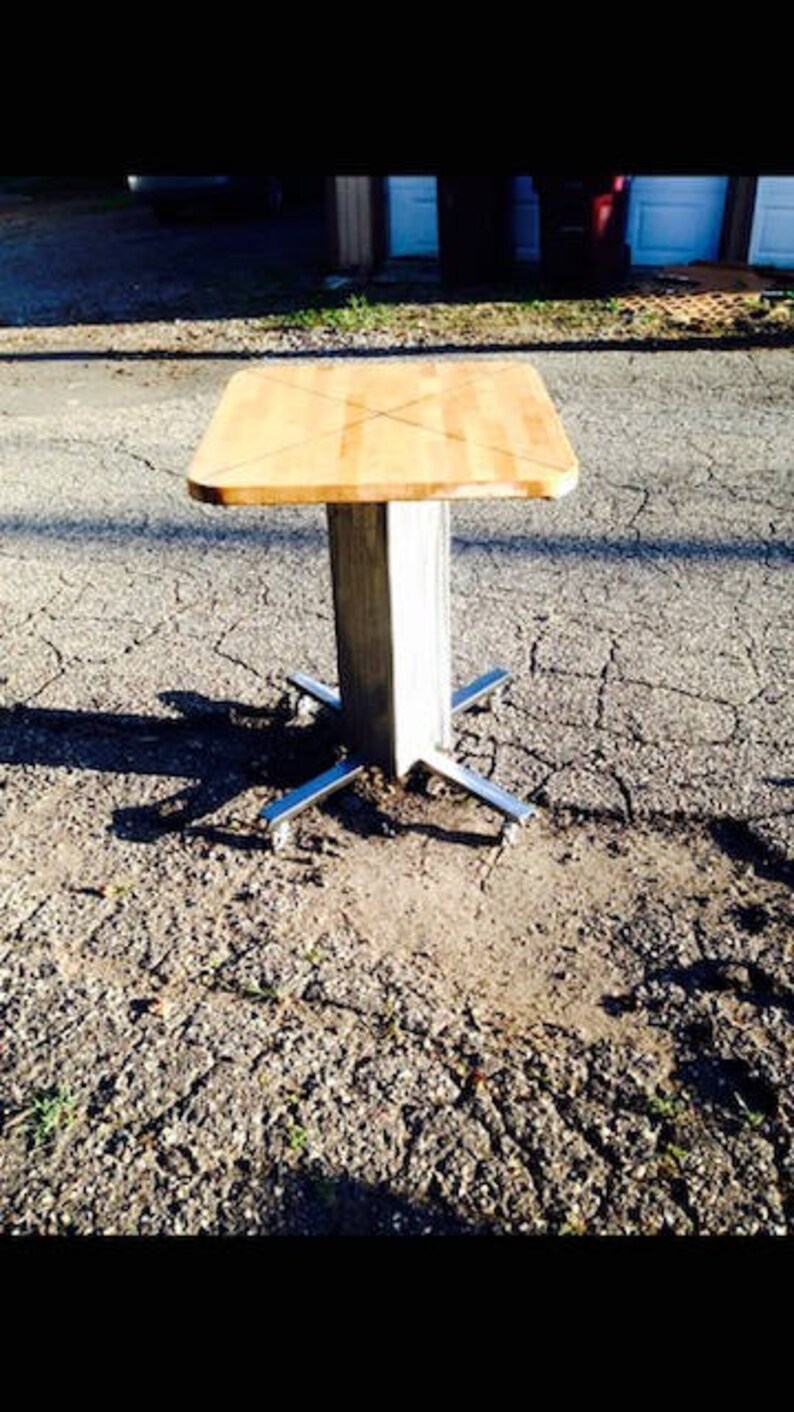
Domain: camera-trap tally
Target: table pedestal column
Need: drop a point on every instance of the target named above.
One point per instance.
(390, 568)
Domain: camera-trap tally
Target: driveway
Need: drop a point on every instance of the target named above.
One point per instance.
(396, 1025)
(101, 259)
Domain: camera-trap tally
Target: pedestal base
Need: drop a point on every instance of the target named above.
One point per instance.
(277, 816)
(390, 572)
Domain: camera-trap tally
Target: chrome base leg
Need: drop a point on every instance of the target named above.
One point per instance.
(316, 689)
(462, 699)
(278, 815)
(467, 696)
(515, 811)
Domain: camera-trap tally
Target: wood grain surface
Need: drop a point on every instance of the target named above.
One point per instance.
(359, 431)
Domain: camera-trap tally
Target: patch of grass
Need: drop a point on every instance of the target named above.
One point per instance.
(51, 1110)
(390, 1027)
(258, 992)
(650, 318)
(310, 318)
(108, 889)
(674, 1153)
(664, 1105)
(426, 316)
(752, 1116)
(213, 978)
(356, 315)
(297, 1137)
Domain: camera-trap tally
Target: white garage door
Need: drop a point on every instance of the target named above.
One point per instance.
(413, 217)
(772, 235)
(675, 219)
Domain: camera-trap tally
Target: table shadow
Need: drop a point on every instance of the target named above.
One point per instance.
(220, 749)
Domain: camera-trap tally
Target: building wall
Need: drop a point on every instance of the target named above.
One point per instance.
(671, 219)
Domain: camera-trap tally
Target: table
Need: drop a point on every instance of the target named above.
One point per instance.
(386, 444)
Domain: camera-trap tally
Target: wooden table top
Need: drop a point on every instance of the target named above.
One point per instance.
(360, 430)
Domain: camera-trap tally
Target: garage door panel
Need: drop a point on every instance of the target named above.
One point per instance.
(413, 215)
(673, 220)
(772, 235)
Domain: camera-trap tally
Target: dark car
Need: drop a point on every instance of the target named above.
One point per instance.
(172, 196)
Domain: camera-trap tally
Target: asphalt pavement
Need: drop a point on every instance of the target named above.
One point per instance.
(646, 617)
(397, 1025)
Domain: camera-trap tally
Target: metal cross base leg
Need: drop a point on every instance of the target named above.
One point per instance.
(390, 573)
(277, 816)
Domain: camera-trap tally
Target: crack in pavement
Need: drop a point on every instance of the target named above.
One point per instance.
(56, 676)
(230, 656)
(604, 679)
(142, 460)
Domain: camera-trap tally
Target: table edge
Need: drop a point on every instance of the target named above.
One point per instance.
(553, 486)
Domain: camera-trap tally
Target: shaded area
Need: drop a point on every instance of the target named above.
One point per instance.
(221, 748)
(313, 1200)
(82, 251)
(749, 981)
(727, 1015)
(363, 815)
(753, 338)
(105, 259)
(580, 547)
(560, 546)
(730, 1085)
(737, 839)
(203, 531)
(746, 979)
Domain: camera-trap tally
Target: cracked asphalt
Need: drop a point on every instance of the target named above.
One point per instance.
(397, 1025)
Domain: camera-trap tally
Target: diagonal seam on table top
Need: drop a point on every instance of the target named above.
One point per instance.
(295, 445)
(472, 441)
(485, 373)
(494, 371)
(416, 427)
(372, 414)
(392, 414)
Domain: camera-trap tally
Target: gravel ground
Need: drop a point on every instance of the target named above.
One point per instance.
(396, 1025)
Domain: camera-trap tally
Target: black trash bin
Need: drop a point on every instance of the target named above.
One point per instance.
(583, 247)
(473, 229)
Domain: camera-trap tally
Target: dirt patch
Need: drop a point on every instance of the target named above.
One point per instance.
(525, 944)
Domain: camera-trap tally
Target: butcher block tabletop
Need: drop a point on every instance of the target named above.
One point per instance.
(364, 430)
